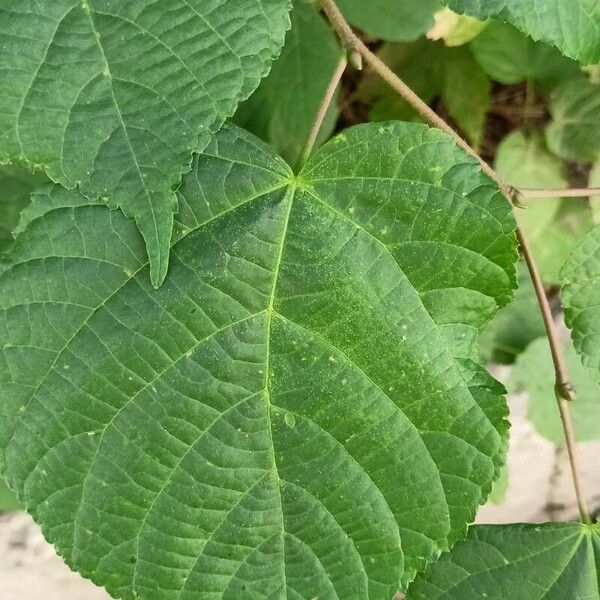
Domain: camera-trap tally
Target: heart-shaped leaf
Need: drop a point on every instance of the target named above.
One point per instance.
(124, 92)
(293, 413)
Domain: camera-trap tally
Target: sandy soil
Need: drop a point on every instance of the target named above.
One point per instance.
(539, 490)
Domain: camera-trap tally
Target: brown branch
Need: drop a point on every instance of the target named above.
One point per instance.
(529, 194)
(322, 111)
(564, 388)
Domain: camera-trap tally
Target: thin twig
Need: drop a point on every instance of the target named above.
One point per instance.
(564, 388)
(559, 193)
(322, 111)
(567, 423)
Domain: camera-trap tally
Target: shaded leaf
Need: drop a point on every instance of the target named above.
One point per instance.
(571, 25)
(432, 71)
(283, 108)
(517, 562)
(16, 186)
(244, 431)
(113, 97)
(580, 293)
(508, 56)
(553, 226)
(534, 374)
(574, 133)
(514, 326)
(393, 21)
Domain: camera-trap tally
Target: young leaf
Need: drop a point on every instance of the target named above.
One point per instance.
(574, 132)
(553, 226)
(571, 25)
(581, 278)
(393, 21)
(454, 29)
(113, 97)
(282, 110)
(288, 413)
(16, 186)
(514, 326)
(508, 56)
(551, 561)
(533, 373)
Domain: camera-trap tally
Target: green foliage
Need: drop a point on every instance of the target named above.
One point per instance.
(245, 429)
(534, 374)
(514, 326)
(581, 278)
(125, 92)
(16, 186)
(517, 562)
(283, 108)
(574, 132)
(553, 226)
(510, 57)
(571, 25)
(300, 410)
(432, 71)
(393, 21)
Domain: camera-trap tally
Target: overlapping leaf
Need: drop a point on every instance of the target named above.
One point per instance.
(290, 413)
(16, 186)
(114, 96)
(574, 132)
(581, 278)
(391, 21)
(508, 56)
(554, 561)
(283, 108)
(571, 25)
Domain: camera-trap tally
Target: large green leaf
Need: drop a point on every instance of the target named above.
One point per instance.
(554, 226)
(510, 57)
(113, 97)
(581, 278)
(289, 414)
(571, 25)
(552, 561)
(391, 20)
(574, 132)
(534, 373)
(283, 108)
(16, 186)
